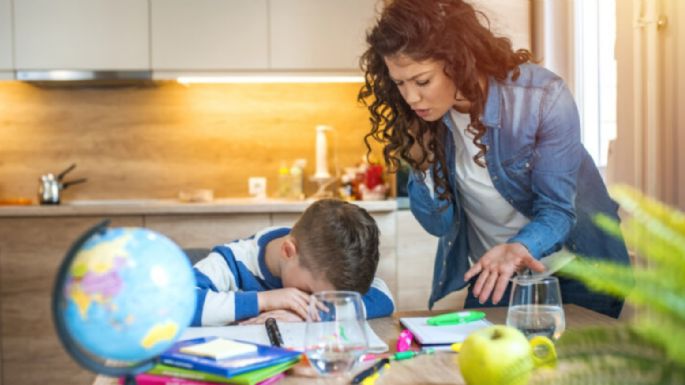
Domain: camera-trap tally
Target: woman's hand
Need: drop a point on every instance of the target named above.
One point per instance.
(288, 298)
(497, 266)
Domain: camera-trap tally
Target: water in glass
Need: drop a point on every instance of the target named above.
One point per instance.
(335, 336)
(537, 320)
(535, 307)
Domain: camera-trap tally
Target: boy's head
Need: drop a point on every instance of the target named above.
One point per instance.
(338, 242)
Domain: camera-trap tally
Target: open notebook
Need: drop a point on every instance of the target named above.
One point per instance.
(428, 335)
(292, 333)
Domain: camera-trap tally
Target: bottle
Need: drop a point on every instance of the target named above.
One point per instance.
(284, 183)
(297, 179)
(321, 172)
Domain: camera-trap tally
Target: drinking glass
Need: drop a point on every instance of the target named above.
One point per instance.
(535, 307)
(335, 335)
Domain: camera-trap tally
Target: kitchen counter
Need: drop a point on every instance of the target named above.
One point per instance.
(35, 239)
(173, 206)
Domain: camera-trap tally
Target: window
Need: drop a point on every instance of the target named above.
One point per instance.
(595, 74)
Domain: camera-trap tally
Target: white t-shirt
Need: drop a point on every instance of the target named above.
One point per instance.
(491, 219)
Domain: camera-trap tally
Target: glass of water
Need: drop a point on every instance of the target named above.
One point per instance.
(335, 336)
(535, 307)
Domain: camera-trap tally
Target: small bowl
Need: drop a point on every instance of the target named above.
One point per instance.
(196, 195)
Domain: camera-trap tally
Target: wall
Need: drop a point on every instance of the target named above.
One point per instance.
(152, 141)
(552, 37)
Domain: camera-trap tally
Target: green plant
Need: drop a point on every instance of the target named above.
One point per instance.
(650, 349)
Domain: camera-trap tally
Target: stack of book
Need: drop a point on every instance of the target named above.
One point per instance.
(215, 360)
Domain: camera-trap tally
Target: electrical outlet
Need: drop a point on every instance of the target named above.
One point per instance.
(256, 186)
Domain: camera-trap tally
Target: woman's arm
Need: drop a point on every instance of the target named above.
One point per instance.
(434, 214)
(554, 172)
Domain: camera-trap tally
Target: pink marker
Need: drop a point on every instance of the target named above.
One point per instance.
(369, 357)
(373, 357)
(405, 340)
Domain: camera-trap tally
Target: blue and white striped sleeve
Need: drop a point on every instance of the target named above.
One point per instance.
(378, 300)
(219, 299)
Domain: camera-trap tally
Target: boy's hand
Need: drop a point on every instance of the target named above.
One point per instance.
(279, 315)
(288, 298)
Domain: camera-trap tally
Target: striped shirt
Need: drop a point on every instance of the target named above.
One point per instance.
(230, 277)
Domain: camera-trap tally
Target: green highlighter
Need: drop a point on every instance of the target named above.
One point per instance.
(460, 317)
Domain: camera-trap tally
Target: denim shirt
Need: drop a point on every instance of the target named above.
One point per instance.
(538, 164)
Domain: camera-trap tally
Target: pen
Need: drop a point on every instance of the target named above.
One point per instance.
(370, 371)
(457, 318)
(273, 332)
(399, 356)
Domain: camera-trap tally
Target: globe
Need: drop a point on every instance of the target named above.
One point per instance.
(122, 295)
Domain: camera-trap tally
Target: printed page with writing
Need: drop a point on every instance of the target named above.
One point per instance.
(292, 333)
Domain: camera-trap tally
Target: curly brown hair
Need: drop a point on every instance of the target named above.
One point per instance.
(453, 32)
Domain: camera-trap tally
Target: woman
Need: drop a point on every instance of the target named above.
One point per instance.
(499, 173)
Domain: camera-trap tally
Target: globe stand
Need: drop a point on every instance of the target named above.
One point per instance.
(80, 355)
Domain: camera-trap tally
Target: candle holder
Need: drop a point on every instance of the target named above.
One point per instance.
(324, 182)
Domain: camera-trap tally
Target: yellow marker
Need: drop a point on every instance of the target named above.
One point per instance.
(371, 380)
(456, 347)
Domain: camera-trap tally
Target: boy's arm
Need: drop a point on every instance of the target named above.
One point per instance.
(219, 300)
(378, 300)
(216, 307)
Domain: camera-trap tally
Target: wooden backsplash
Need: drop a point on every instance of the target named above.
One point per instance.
(153, 141)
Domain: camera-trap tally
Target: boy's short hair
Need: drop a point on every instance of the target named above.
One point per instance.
(339, 240)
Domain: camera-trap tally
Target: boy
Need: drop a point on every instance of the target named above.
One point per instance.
(332, 246)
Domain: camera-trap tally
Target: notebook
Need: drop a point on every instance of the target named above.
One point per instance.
(264, 356)
(249, 378)
(219, 348)
(426, 334)
(153, 379)
(292, 333)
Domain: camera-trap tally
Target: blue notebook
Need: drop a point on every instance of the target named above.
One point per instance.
(263, 357)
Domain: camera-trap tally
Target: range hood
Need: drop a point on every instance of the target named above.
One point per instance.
(58, 77)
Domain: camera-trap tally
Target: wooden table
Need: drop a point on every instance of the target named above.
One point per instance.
(439, 368)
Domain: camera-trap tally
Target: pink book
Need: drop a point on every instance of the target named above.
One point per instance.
(152, 379)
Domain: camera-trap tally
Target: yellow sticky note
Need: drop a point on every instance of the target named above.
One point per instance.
(219, 349)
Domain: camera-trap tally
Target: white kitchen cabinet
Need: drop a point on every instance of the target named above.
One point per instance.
(6, 65)
(32, 250)
(319, 34)
(209, 35)
(81, 34)
(415, 260)
(258, 35)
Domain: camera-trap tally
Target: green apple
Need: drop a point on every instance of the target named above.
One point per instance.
(496, 355)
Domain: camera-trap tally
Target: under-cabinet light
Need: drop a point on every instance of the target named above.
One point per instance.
(271, 79)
